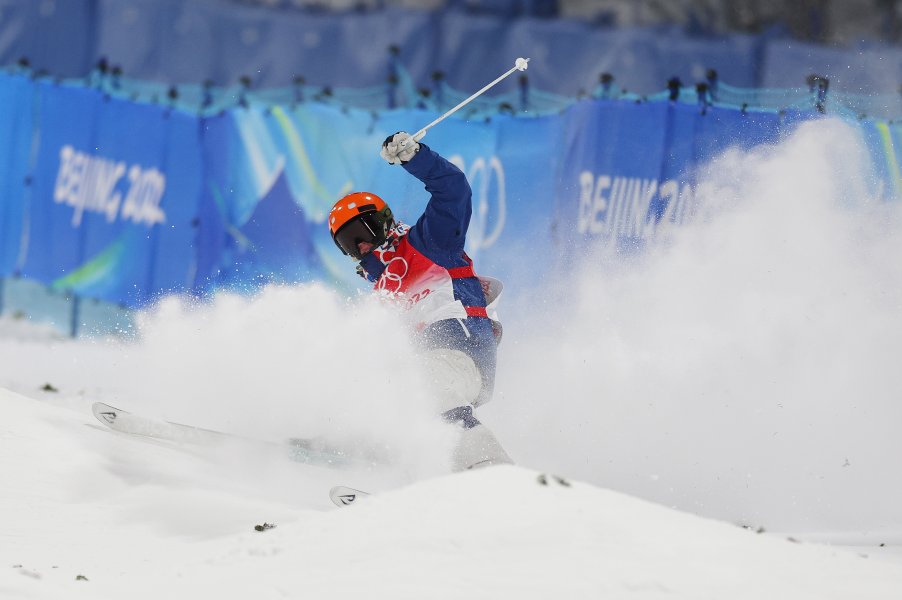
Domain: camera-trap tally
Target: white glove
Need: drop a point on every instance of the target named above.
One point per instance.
(394, 153)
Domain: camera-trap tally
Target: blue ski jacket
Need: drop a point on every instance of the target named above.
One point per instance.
(437, 239)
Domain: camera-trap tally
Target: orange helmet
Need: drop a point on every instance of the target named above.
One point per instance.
(359, 217)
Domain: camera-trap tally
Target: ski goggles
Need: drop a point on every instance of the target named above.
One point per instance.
(368, 227)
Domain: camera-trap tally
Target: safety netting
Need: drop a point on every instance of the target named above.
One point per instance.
(400, 91)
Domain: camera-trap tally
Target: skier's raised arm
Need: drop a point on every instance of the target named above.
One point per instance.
(442, 229)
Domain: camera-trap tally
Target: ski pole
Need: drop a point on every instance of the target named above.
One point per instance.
(519, 65)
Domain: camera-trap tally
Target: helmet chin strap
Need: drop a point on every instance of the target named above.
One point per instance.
(370, 266)
(363, 273)
(393, 236)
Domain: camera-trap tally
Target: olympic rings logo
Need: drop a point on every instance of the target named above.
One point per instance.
(395, 277)
(480, 175)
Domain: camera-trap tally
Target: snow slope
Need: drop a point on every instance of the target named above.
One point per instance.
(143, 519)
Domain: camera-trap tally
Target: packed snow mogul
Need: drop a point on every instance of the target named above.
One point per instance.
(425, 269)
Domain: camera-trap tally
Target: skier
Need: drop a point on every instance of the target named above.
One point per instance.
(424, 267)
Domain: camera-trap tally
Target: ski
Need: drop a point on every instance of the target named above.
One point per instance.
(302, 450)
(345, 496)
(126, 422)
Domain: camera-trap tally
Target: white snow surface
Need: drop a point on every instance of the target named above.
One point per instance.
(741, 371)
(144, 519)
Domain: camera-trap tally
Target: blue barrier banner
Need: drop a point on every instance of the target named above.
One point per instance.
(628, 167)
(513, 202)
(613, 159)
(114, 197)
(694, 137)
(720, 128)
(268, 177)
(273, 175)
(617, 171)
(67, 119)
(174, 242)
(16, 97)
(211, 211)
(129, 201)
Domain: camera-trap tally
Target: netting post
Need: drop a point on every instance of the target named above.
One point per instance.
(173, 96)
(207, 100)
(818, 85)
(605, 82)
(116, 78)
(423, 97)
(245, 87)
(711, 78)
(673, 87)
(97, 77)
(524, 92)
(701, 90)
